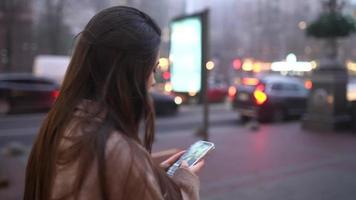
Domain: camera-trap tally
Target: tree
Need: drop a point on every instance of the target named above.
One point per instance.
(332, 24)
(60, 21)
(51, 30)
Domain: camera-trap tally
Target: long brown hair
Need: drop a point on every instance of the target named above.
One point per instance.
(111, 64)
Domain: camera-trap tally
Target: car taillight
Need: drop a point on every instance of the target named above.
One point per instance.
(308, 84)
(260, 95)
(55, 94)
(232, 92)
(260, 87)
(250, 81)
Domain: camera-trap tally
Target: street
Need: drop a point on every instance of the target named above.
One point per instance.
(23, 128)
(277, 161)
(274, 161)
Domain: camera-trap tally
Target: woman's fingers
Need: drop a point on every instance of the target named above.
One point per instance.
(195, 168)
(184, 164)
(167, 163)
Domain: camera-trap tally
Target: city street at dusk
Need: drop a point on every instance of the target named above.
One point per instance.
(277, 161)
(177, 100)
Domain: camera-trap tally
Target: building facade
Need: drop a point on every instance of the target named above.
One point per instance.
(17, 47)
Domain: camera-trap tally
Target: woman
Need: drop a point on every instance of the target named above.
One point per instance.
(89, 146)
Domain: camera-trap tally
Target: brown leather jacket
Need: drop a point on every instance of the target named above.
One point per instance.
(117, 168)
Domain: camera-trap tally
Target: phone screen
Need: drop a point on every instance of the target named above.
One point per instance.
(192, 155)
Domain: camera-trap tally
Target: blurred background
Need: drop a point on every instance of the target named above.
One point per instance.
(263, 73)
(263, 30)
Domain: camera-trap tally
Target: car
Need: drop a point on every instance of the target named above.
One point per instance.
(270, 98)
(165, 104)
(217, 93)
(26, 92)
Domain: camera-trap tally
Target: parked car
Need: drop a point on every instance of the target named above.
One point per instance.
(25, 92)
(217, 93)
(165, 104)
(270, 98)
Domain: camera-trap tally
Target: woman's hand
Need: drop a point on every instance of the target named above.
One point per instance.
(169, 162)
(187, 179)
(195, 168)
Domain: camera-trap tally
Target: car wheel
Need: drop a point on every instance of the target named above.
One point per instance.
(278, 115)
(4, 107)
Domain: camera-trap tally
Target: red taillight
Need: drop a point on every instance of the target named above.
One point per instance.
(308, 84)
(232, 92)
(55, 94)
(166, 75)
(250, 81)
(237, 64)
(260, 87)
(260, 95)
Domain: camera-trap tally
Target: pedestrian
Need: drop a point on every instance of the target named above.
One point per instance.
(90, 146)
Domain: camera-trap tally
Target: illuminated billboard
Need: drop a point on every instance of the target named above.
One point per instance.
(186, 54)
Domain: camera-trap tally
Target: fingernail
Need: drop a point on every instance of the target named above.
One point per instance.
(185, 163)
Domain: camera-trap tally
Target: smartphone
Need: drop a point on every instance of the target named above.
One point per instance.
(193, 155)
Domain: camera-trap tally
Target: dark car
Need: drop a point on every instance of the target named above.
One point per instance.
(270, 98)
(26, 92)
(164, 104)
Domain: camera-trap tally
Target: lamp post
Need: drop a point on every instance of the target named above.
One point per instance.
(327, 105)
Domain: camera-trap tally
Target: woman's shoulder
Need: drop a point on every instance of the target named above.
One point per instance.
(119, 145)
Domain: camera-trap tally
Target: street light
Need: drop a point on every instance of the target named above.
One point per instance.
(302, 25)
(210, 65)
(164, 64)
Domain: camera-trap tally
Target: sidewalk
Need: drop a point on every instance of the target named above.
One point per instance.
(279, 162)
